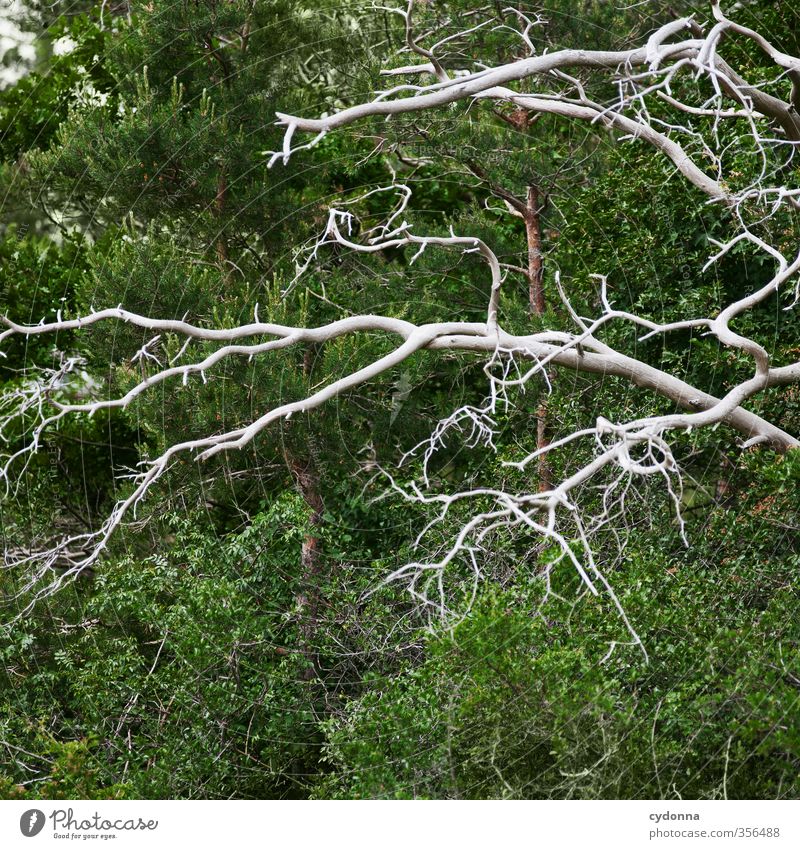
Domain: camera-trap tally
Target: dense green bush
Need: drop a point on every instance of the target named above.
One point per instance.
(238, 639)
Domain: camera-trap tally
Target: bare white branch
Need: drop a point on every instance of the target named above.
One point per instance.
(616, 456)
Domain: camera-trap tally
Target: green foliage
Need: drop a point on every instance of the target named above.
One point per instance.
(32, 110)
(237, 640)
(190, 666)
(529, 702)
(39, 280)
(73, 775)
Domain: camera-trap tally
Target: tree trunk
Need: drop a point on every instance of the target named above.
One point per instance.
(219, 207)
(533, 232)
(309, 599)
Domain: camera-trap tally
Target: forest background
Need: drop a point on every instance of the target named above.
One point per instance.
(238, 639)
